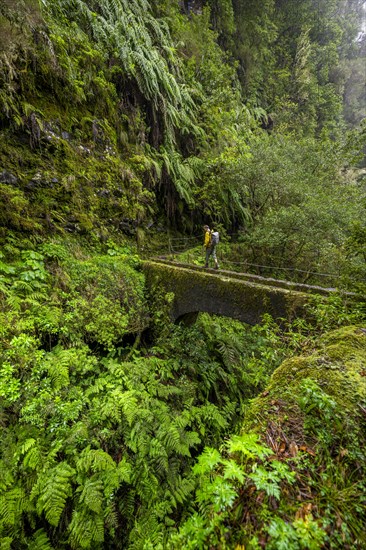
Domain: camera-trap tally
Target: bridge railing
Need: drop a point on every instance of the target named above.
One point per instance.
(190, 250)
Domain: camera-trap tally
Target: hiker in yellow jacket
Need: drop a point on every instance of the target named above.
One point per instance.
(210, 243)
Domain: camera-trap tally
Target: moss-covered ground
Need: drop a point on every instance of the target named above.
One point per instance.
(295, 476)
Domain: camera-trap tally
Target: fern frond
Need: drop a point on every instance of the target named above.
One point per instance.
(96, 388)
(85, 529)
(182, 489)
(12, 504)
(111, 517)
(170, 436)
(28, 444)
(92, 495)
(159, 455)
(95, 460)
(33, 459)
(147, 531)
(124, 471)
(57, 365)
(40, 541)
(6, 478)
(229, 353)
(108, 410)
(52, 490)
(127, 402)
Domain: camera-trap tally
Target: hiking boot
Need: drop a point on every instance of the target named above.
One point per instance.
(217, 266)
(206, 265)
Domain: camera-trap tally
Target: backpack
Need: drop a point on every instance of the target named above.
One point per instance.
(214, 238)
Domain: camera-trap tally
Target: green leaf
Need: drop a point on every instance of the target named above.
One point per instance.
(207, 461)
(52, 490)
(247, 445)
(232, 470)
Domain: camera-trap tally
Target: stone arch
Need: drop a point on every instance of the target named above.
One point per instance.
(197, 290)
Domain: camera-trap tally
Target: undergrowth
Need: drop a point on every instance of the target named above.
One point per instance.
(103, 420)
(100, 427)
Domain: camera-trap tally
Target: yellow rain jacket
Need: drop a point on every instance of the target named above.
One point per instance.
(207, 242)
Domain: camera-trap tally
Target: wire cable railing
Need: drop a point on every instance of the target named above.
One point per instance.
(185, 250)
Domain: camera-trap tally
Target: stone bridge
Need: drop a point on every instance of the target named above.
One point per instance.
(240, 296)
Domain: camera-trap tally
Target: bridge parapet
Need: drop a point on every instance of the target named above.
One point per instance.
(268, 281)
(222, 293)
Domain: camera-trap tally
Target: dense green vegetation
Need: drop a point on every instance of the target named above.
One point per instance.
(100, 430)
(124, 123)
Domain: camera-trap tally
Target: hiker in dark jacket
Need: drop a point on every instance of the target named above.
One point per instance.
(210, 244)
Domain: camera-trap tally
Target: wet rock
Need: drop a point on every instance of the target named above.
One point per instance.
(71, 227)
(39, 181)
(127, 227)
(8, 177)
(103, 193)
(37, 177)
(31, 185)
(35, 182)
(83, 149)
(53, 127)
(50, 136)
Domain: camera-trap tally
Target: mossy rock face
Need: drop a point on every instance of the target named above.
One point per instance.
(338, 367)
(313, 417)
(307, 491)
(346, 340)
(72, 187)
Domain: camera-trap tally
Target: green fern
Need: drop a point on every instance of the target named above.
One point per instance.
(147, 531)
(40, 541)
(181, 490)
(34, 457)
(12, 504)
(124, 470)
(57, 365)
(86, 529)
(92, 495)
(6, 543)
(95, 460)
(52, 490)
(127, 402)
(144, 48)
(6, 478)
(248, 445)
(207, 461)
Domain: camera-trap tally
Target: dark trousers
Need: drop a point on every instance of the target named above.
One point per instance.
(211, 251)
